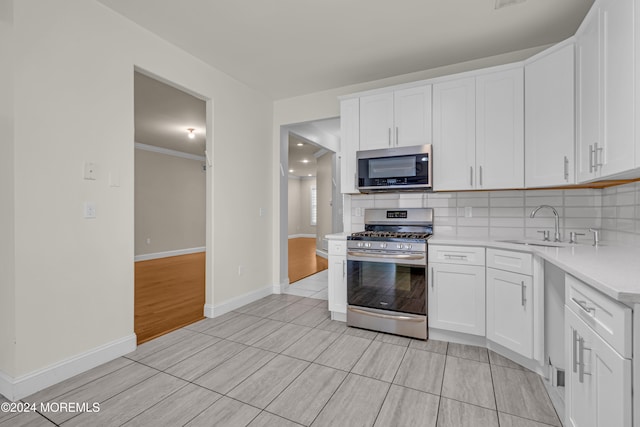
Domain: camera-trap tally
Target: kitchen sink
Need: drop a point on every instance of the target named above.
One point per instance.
(536, 243)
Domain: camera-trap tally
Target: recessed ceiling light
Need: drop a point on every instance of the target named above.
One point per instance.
(290, 170)
(299, 144)
(305, 161)
(504, 3)
(310, 175)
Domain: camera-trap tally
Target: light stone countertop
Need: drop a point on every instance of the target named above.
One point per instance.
(338, 236)
(612, 268)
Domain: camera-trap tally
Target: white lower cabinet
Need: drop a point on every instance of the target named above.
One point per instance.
(598, 375)
(510, 310)
(597, 381)
(337, 287)
(456, 293)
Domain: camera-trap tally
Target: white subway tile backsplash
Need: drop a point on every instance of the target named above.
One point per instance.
(506, 222)
(615, 210)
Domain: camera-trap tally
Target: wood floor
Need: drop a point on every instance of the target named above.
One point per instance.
(169, 294)
(303, 260)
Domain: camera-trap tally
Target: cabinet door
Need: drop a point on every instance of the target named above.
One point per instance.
(549, 119)
(618, 149)
(337, 289)
(598, 389)
(456, 297)
(578, 397)
(454, 135)
(510, 310)
(349, 143)
(588, 86)
(376, 121)
(412, 116)
(500, 130)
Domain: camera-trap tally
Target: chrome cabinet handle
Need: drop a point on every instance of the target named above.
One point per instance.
(471, 176)
(433, 277)
(453, 256)
(566, 168)
(591, 167)
(583, 305)
(595, 156)
(480, 172)
(524, 293)
(397, 141)
(344, 268)
(581, 349)
(574, 358)
(389, 137)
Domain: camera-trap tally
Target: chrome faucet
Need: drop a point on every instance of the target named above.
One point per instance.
(556, 235)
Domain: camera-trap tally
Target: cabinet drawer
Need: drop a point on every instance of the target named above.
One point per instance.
(456, 255)
(516, 262)
(337, 247)
(608, 318)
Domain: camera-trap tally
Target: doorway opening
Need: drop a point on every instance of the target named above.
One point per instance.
(170, 207)
(313, 203)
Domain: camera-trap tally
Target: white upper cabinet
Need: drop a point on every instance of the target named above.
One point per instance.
(478, 132)
(605, 82)
(349, 144)
(376, 121)
(549, 118)
(412, 113)
(454, 134)
(396, 118)
(500, 130)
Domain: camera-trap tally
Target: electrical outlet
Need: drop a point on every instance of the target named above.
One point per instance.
(90, 171)
(468, 212)
(89, 210)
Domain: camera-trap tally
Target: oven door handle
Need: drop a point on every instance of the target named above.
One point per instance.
(386, 256)
(386, 316)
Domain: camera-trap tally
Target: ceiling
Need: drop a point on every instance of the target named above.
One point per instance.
(163, 114)
(313, 136)
(286, 48)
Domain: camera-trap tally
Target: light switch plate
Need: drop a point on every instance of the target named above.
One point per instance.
(114, 178)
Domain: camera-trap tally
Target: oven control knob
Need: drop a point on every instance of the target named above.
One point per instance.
(400, 246)
(408, 246)
(359, 244)
(383, 245)
(367, 245)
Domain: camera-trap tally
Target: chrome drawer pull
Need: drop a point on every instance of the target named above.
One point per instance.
(450, 256)
(524, 293)
(583, 305)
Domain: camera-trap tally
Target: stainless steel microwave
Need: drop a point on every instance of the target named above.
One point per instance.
(395, 169)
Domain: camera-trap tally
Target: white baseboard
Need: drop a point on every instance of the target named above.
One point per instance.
(295, 236)
(237, 302)
(18, 388)
(322, 254)
(167, 254)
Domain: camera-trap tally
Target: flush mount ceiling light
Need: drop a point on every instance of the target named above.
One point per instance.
(299, 144)
(191, 133)
(290, 170)
(504, 3)
(305, 161)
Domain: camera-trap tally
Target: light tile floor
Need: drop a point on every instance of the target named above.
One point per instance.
(281, 361)
(314, 286)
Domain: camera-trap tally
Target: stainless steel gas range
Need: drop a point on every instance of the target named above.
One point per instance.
(387, 272)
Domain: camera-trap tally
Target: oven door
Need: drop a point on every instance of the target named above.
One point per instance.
(393, 282)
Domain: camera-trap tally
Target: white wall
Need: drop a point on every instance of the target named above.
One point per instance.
(324, 181)
(169, 203)
(300, 205)
(323, 105)
(74, 64)
(7, 253)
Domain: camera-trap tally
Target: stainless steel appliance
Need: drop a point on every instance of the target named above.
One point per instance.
(395, 169)
(387, 272)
